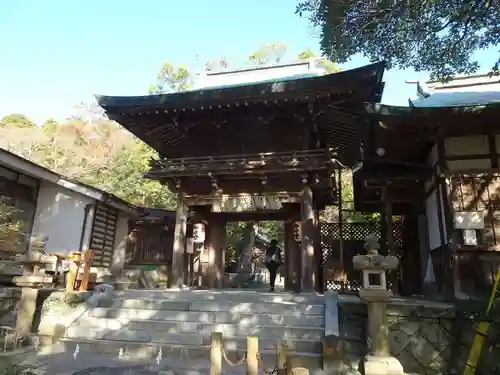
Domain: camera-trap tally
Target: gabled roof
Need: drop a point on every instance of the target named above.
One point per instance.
(470, 90)
(258, 117)
(457, 99)
(151, 104)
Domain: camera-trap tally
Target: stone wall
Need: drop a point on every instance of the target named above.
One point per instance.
(9, 298)
(427, 337)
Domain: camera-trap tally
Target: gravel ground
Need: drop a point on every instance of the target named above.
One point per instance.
(92, 364)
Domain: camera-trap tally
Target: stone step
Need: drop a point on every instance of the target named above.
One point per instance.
(216, 306)
(108, 315)
(232, 342)
(157, 330)
(187, 353)
(231, 295)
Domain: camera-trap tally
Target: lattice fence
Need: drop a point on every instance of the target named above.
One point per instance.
(340, 242)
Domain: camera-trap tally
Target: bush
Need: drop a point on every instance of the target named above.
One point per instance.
(10, 229)
(16, 368)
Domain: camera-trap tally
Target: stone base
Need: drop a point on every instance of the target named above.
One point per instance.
(33, 281)
(375, 295)
(382, 366)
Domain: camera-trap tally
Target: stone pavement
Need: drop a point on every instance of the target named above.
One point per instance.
(92, 364)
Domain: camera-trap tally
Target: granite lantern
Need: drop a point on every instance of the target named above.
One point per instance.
(374, 267)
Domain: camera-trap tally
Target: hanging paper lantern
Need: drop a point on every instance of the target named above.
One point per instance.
(199, 232)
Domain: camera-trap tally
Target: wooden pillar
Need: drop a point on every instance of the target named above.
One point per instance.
(176, 273)
(318, 255)
(389, 227)
(288, 256)
(220, 260)
(307, 245)
(446, 226)
(216, 241)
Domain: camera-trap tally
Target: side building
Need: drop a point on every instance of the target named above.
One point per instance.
(64, 215)
(439, 160)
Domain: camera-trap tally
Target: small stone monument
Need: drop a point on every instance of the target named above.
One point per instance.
(374, 268)
(31, 281)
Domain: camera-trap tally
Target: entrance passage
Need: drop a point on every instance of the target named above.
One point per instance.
(245, 254)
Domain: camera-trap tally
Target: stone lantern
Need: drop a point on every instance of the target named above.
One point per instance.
(374, 267)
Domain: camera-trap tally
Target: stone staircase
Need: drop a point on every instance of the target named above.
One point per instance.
(139, 323)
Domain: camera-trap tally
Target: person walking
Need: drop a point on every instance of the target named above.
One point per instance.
(273, 262)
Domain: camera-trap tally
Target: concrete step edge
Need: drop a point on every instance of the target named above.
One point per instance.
(160, 345)
(201, 311)
(179, 336)
(275, 339)
(260, 326)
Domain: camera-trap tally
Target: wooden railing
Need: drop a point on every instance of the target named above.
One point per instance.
(252, 359)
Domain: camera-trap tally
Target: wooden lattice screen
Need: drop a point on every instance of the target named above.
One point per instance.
(340, 242)
(102, 236)
(150, 243)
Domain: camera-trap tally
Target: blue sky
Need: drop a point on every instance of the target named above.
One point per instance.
(57, 53)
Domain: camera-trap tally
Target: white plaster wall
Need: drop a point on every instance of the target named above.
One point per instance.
(59, 216)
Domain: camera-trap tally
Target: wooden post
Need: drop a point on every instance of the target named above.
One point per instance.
(289, 365)
(307, 244)
(391, 250)
(87, 258)
(281, 356)
(216, 354)
(252, 355)
(176, 278)
(72, 275)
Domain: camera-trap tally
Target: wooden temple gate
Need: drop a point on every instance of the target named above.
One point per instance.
(281, 140)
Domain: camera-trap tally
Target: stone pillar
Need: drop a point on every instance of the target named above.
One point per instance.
(374, 267)
(26, 312)
(176, 273)
(307, 245)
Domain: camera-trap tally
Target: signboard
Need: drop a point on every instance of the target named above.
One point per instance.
(199, 232)
(297, 231)
(469, 220)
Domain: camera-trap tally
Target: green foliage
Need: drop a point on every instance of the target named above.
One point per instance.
(123, 176)
(91, 149)
(16, 120)
(171, 78)
(329, 66)
(268, 53)
(235, 232)
(220, 63)
(332, 214)
(438, 36)
(273, 230)
(307, 54)
(10, 228)
(17, 368)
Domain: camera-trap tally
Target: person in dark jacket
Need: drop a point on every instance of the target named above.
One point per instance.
(273, 262)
